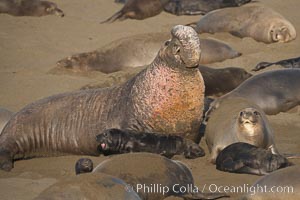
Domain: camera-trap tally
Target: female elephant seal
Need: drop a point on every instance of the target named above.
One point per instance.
(139, 50)
(273, 91)
(242, 157)
(288, 63)
(166, 97)
(5, 115)
(261, 23)
(138, 9)
(282, 184)
(124, 141)
(152, 176)
(199, 7)
(30, 8)
(89, 187)
(238, 120)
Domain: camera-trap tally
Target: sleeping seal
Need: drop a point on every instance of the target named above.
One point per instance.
(125, 141)
(166, 97)
(242, 157)
(238, 120)
(261, 23)
(30, 8)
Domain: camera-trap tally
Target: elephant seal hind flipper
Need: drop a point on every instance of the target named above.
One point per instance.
(288, 63)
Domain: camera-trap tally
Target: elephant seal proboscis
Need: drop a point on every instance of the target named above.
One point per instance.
(5, 115)
(166, 97)
(30, 8)
(95, 186)
(139, 50)
(282, 184)
(273, 91)
(261, 23)
(199, 7)
(138, 9)
(246, 158)
(288, 63)
(220, 81)
(113, 141)
(145, 171)
(238, 120)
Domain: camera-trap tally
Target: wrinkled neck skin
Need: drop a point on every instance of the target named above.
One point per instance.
(167, 98)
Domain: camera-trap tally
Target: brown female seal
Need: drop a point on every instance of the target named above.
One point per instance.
(30, 8)
(238, 120)
(113, 141)
(138, 9)
(152, 176)
(166, 97)
(261, 23)
(242, 157)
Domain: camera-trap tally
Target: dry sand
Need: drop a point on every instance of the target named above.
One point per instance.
(30, 47)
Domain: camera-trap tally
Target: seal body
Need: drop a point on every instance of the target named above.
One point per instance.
(288, 63)
(197, 7)
(139, 50)
(273, 91)
(221, 81)
(283, 184)
(125, 141)
(238, 120)
(5, 115)
(89, 186)
(166, 97)
(138, 9)
(261, 23)
(246, 158)
(146, 172)
(30, 8)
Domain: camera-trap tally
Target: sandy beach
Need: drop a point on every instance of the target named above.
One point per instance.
(31, 46)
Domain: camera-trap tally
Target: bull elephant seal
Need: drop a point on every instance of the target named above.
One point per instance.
(282, 184)
(288, 63)
(238, 120)
(246, 158)
(221, 81)
(273, 91)
(5, 115)
(139, 50)
(138, 9)
(30, 8)
(261, 23)
(166, 97)
(152, 176)
(199, 7)
(89, 186)
(125, 141)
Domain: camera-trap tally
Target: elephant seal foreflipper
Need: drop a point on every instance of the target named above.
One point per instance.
(288, 63)
(238, 120)
(89, 186)
(166, 97)
(199, 7)
(125, 141)
(139, 50)
(261, 23)
(246, 158)
(5, 115)
(221, 81)
(30, 8)
(138, 9)
(273, 91)
(146, 170)
(282, 184)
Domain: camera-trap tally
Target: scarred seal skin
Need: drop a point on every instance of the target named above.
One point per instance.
(113, 141)
(242, 157)
(166, 97)
(35, 8)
